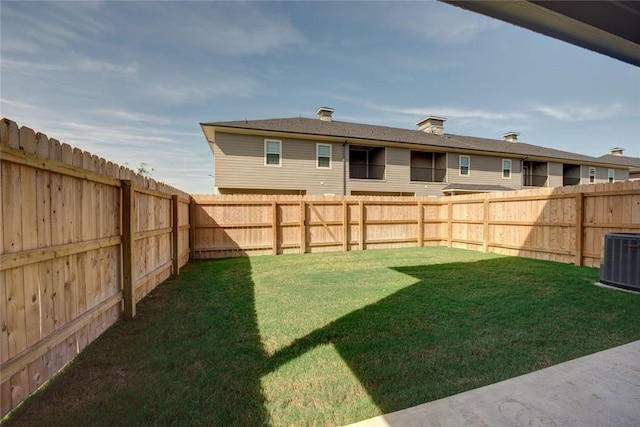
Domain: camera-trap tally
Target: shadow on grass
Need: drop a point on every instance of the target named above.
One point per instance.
(194, 356)
(460, 327)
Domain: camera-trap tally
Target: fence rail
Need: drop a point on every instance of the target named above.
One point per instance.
(564, 224)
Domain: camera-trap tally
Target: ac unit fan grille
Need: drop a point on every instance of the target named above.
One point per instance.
(621, 263)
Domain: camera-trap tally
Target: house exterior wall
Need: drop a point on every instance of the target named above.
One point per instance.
(602, 174)
(484, 170)
(240, 167)
(623, 175)
(240, 164)
(555, 174)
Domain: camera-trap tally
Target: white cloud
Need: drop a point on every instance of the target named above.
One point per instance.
(4, 102)
(18, 45)
(95, 65)
(180, 91)
(58, 24)
(61, 63)
(575, 113)
(131, 116)
(236, 28)
(443, 111)
(438, 23)
(460, 113)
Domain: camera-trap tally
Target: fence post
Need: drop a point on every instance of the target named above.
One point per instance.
(579, 227)
(361, 228)
(485, 227)
(192, 229)
(345, 226)
(420, 224)
(128, 217)
(274, 226)
(176, 234)
(303, 226)
(449, 223)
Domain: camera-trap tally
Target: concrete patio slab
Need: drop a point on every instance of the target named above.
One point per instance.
(601, 389)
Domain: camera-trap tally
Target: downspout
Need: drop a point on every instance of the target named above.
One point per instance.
(344, 167)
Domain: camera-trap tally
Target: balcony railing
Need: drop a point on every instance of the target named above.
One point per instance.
(535, 180)
(361, 171)
(428, 174)
(570, 181)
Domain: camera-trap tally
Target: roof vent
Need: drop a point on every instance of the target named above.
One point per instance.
(617, 151)
(511, 136)
(432, 124)
(324, 113)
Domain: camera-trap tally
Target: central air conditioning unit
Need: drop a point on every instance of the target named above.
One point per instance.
(621, 262)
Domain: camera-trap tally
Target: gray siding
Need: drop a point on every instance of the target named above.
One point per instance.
(484, 170)
(397, 177)
(602, 175)
(555, 174)
(240, 164)
(622, 174)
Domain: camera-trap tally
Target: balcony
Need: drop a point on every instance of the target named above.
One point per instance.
(363, 171)
(534, 180)
(567, 180)
(428, 174)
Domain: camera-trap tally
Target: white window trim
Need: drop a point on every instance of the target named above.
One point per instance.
(510, 168)
(460, 165)
(611, 175)
(594, 175)
(330, 156)
(279, 153)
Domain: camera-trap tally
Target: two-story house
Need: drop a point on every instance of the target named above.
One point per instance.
(616, 155)
(323, 156)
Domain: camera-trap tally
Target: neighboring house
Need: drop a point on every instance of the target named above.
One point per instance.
(617, 156)
(322, 156)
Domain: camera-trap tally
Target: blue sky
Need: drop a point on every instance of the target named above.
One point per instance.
(131, 81)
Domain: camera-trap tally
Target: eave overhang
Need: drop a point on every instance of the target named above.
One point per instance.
(608, 27)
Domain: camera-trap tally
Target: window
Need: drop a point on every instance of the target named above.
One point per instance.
(611, 175)
(506, 168)
(272, 151)
(464, 165)
(323, 153)
(592, 175)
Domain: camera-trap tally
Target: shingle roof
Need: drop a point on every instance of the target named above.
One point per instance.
(621, 160)
(301, 125)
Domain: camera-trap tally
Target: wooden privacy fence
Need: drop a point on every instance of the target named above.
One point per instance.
(231, 226)
(565, 224)
(82, 241)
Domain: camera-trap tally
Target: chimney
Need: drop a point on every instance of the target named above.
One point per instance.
(432, 124)
(324, 113)
(617, 151)
(511, 136)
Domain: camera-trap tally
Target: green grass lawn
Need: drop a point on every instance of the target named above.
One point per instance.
(329, 339)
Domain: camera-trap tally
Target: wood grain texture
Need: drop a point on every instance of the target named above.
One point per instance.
(60, 258)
